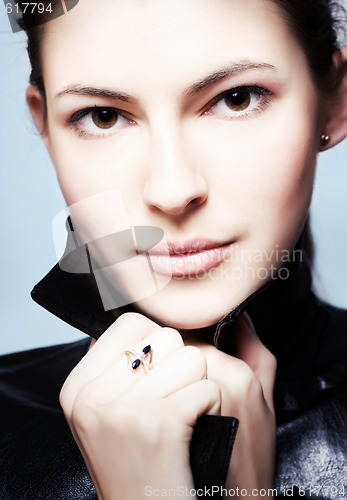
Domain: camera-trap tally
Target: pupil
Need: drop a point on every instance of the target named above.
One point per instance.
(105, 115)
(237, 98)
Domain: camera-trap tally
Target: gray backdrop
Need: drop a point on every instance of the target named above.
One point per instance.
(30, 198)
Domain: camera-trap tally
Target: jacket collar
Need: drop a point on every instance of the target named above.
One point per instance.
(280, 310)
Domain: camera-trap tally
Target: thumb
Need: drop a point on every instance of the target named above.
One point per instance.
(250, 349)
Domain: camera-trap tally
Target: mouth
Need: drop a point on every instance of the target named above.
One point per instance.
(188, 258)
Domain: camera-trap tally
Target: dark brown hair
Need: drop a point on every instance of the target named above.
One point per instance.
(33, 24)
(316, 25)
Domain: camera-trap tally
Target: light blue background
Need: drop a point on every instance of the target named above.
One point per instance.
(30, 198)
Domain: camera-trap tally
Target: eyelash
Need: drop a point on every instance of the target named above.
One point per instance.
(264, 96)
(264, 99)
(76, 118)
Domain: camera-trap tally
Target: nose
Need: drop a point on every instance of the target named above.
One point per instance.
(174, 184)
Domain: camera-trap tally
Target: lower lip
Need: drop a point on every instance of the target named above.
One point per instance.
(189, 263)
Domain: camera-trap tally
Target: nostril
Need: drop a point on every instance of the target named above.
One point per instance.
(177, 193)
(196, 202)
(177, 207)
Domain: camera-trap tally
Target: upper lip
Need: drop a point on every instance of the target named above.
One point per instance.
(186, 247)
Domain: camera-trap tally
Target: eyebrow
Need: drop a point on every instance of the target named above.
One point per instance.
(192, 90)
(225, 72)
(96, 92)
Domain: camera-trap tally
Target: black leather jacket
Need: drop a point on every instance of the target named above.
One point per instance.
(40, 460)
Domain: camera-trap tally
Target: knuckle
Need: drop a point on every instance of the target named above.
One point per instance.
(172, 335)
(213, 388)
(67, 395)
(255, 390)
(247, 382)
(131, 316)
(137, 319)
(87, 407)
(196, 360)
(271, 361)
(65, 400)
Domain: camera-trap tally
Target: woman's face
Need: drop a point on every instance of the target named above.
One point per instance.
(208, 128)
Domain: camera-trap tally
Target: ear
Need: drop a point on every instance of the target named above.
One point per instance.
(336, 121)
(37, 108)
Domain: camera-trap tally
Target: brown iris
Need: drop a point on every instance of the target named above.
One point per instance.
(104, 118)
(238, 100)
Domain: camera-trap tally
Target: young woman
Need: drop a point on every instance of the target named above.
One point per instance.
(200, 121)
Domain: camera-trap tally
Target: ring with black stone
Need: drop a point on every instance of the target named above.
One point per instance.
(145, 358)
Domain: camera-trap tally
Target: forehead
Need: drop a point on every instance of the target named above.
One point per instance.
(156, 43)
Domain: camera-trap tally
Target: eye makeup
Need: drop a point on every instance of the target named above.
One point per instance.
(239, 102)
(236, 103)
(99, 120)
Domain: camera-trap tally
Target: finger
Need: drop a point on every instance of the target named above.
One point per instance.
(128, 330)
(235, 378)
(192, 401)
(125, 332)
(252, 351)
(179, 369)
(116, 379)
(174, 369)
(164, 343)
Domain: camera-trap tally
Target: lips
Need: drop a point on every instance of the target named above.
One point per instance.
(188, 258)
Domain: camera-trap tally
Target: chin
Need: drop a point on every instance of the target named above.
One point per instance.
(192, 304)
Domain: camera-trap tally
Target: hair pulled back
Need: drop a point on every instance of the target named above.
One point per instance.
(317, 25)
(314, 23)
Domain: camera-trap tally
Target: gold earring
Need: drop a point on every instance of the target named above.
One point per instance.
(324, 140)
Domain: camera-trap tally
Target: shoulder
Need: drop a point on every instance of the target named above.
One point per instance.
(30, 381)
(39, 458)
(21, 359)
(39, 371)
(311, 417)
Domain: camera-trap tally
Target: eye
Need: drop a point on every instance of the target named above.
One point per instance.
(98, 121)
(104, 117)
(239, 102)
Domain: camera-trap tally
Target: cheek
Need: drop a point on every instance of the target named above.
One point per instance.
(284, 195)
(286, 182)
(263, 167)
(86, 167)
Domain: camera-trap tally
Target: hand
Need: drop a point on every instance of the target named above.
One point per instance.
(132, 428)
(246, 383)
